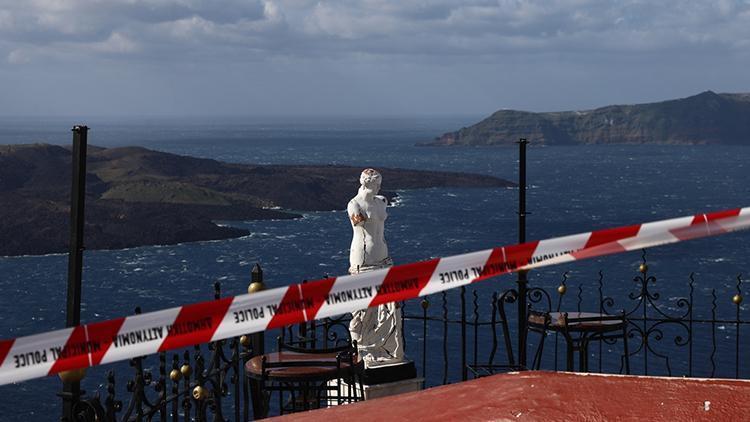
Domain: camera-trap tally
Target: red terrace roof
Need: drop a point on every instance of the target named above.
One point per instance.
(556, 396)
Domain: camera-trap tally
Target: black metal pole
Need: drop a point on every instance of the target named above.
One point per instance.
(72, 388)
(77, 203)
(257, 340)
(257, 347)
(464, 363)
(522, 281)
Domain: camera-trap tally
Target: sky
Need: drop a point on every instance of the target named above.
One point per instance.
(368, 57)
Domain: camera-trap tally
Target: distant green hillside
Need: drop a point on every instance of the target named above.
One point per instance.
(137, 196)
(706, 118)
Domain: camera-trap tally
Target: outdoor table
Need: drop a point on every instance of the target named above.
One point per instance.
(301, 366)
(306, 376)
(580, 328)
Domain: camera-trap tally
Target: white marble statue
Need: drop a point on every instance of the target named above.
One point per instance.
(377, 330)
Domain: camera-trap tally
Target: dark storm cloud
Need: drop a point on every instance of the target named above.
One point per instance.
(378, 48)
(44, 27)
(299, 27)
(534, 26)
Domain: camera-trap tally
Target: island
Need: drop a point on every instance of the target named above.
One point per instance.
(706, 118)
(136, 196)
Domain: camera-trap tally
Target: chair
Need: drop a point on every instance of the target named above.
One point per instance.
(498, 317)
(306, 377)
(579, 329)
(538, 322)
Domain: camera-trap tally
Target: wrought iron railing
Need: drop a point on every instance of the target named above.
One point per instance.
(204, 382)
(689, 335)
(452, 336)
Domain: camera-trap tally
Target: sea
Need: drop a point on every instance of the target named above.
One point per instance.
(572, 189)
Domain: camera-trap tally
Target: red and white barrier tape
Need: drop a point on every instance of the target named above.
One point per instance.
(123, 338)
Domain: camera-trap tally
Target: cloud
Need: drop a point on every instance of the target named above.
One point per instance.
(116, 43)
(120, 26)
(495, 27)
(314, 56)
(18, 57)
(273, 28)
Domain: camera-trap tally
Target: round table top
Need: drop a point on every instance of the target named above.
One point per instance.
(608, 322)
(322, 365)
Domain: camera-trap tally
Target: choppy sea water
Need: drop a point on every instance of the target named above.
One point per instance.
(572, 189)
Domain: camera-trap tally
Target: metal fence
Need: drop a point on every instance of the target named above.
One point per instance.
(452, 336)
(206, 382)
(475, 332)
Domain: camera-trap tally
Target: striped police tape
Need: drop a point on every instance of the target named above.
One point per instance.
(104, 342)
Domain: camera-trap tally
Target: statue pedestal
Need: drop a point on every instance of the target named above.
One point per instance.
(381, 381)
(392, 388)
(389, 373)
(378, 390)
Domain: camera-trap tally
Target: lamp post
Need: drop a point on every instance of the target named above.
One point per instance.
(71, 393)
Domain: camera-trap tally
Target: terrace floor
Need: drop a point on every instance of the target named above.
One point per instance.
(556, 396)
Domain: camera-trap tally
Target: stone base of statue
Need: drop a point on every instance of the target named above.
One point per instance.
(393, 388)
(377, 390)
(388, 373)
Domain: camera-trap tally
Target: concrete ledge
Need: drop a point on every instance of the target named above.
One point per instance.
(556, 396)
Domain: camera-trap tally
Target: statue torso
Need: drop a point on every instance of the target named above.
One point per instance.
(368, 246)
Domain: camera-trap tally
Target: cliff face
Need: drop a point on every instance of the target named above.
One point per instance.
(136, 196)
(706, 118)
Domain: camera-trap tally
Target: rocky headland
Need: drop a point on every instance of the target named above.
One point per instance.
(706, 118)
(136, 196)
